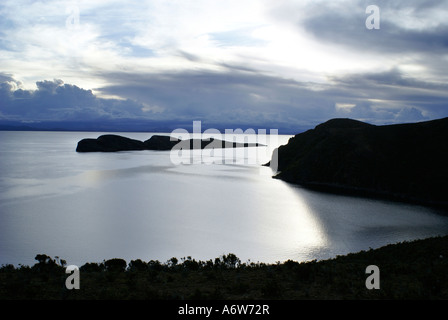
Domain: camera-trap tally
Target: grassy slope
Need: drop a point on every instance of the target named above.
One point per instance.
(408, 270)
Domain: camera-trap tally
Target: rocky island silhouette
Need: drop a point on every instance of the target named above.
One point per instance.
(115, 143)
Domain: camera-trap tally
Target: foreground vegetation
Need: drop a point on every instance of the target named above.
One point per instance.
(408, 270)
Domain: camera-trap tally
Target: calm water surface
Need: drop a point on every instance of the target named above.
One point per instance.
(140, 205)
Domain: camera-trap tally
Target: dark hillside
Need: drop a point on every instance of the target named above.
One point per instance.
(408, 270)
(406, 162)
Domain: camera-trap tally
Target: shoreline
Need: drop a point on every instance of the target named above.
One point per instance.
(440, 207)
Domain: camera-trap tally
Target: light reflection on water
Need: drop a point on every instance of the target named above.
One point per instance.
(95, 206)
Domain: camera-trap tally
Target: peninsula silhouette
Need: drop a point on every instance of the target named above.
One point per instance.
(115, 143)
(406, 162)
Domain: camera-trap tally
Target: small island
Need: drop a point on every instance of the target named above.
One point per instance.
(404, 162)
(115, 143)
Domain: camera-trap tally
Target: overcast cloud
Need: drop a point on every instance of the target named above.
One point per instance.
(283, 64)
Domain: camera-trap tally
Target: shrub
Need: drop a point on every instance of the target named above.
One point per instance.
(92, 267)
(138, 265)
(115, 265)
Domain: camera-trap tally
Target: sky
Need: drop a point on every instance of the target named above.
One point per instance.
(281, 64)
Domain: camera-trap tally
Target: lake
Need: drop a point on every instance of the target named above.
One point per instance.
(90, 207)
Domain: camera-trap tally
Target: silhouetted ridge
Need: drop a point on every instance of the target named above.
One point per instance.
(157, 142)
(109, 143)
(114, 143)
(406, 162)
(342, 123)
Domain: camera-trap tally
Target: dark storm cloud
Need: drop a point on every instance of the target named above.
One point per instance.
(249, 97)
(230, 98)
(54, 100)
(344, 24)
(392, 85)
(405, 99)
